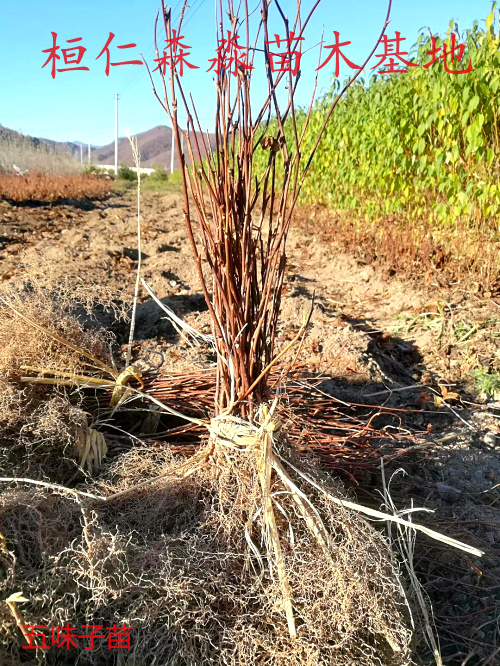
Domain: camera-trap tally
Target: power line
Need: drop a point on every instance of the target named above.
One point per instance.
(197, 4)
(193, 14)
(176, 6)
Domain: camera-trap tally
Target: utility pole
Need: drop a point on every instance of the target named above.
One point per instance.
(88, 153)
(172, 153)
(116, 133)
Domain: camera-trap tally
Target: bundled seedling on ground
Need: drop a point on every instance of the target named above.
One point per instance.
(245, 552)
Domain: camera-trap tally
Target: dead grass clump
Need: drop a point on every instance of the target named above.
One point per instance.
(11, 403)
(45, 443)
(33, 314)
(39, 423)
(174, 562)
(49, 188)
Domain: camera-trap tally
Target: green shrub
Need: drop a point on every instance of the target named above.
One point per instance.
(159, 174)
(175, 178)
(424, 145)
(91, 169)
(126, 173)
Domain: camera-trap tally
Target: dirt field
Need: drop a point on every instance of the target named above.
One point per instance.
(377, 338)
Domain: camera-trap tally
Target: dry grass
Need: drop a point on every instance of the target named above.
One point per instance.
(39, 424)
(52, 307)
(28, 153)
(50, 188)
(444, 255)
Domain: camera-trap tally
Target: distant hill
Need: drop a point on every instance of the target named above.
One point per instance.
(71, 147)
(154, 146)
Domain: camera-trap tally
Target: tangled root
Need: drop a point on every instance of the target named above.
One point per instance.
(173, 561)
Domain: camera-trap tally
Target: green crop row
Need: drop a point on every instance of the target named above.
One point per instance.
(420, 145)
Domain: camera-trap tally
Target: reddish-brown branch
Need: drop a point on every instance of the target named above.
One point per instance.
(246, 259)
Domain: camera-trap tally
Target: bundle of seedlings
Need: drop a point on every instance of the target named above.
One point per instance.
(243, 553)
(341, 435)
(271, 511)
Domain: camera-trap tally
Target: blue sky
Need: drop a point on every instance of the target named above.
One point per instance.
(80, 105)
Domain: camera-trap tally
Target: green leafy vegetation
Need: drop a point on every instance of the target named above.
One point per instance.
(487, 381)
(126, 173)
(159, 174)
(94, 169)
(421, 148)
(425, 142)
(157, 181)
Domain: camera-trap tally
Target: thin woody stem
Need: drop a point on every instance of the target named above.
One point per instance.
(244, 251)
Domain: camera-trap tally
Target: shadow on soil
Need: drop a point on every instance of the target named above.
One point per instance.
(82, 204)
